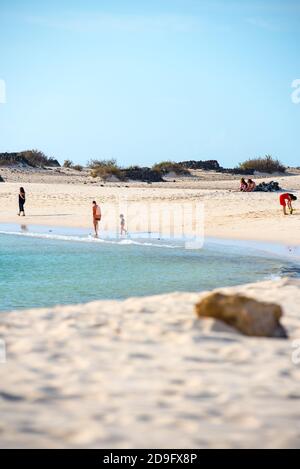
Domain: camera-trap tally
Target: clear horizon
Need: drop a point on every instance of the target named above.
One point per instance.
(141, 83)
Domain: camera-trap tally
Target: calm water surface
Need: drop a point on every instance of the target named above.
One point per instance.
(38, 272)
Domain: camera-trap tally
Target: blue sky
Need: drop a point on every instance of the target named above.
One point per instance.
(148, 81)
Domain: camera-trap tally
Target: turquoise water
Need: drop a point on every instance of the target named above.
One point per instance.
(38, 272)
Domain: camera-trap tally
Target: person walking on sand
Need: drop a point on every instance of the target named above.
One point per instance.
(21, 202)
(96, 217)
(286, 200)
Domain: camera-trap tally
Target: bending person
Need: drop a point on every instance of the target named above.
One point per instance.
(286, 200)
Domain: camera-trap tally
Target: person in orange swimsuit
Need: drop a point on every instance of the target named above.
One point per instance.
(96, 217)
(286, 200)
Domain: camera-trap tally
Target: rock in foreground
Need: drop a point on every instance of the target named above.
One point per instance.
(248, 316)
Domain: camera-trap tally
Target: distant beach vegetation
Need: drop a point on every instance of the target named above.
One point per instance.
(166, 167)
(263, 165)
(33, 158)
(105, 169)
(109, 169)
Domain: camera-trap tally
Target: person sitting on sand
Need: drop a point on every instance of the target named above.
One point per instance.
(122, 225)
(244, 185)
(96, 217)
(251, 185)
(21, 201)
(286, 200)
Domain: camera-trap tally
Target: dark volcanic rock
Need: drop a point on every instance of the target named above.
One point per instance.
(142, 174)
(53, 163)
(272, 186)
(31, 158)
(213, 165)
(236, 171)
(12, 159)
(209, 165)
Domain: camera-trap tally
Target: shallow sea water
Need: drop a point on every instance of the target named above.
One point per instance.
(49, 267)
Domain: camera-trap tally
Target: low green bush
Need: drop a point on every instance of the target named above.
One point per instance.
(77, 167)
(263, 165)
(166, 167)
(68, 164)
(105, 169)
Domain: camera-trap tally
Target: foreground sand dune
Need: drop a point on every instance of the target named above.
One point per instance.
(146, 373)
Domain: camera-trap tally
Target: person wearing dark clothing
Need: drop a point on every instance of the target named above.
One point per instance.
(21, 201)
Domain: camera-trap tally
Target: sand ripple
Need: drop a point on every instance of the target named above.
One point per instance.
(147, 373)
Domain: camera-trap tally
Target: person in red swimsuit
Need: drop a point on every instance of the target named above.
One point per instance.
(286, 200)
(96, 217)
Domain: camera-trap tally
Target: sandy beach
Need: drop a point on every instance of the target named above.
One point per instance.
(146, 373)
(149, 228)
(64, 199)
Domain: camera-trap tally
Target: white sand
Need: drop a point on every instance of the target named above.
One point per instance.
(146, 373)
(228, 213)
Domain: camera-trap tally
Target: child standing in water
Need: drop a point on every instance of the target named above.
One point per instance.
(286, 200)
(122, 225)
(21, 201)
